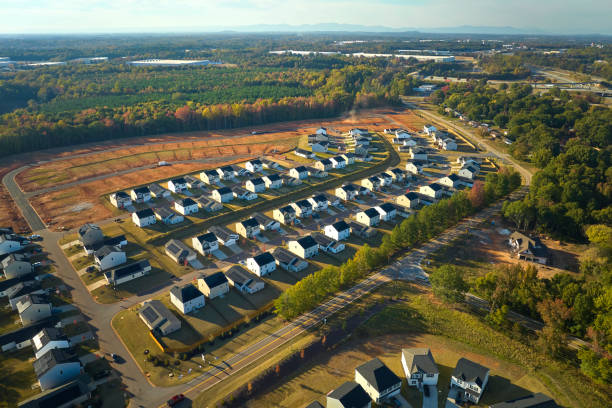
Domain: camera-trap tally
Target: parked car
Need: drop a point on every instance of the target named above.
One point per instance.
(90, 268)
(35, 264)
(35, 237)
(178, 398)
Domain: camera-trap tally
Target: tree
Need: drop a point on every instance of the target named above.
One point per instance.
(476, 194)
(596, 366)
(555, 314)
(448, 284)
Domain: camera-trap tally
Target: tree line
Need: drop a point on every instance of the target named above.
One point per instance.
(414, 230)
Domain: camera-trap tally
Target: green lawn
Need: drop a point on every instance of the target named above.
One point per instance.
(9, 319)
(82, 262)
(17, 374)
(73, 250)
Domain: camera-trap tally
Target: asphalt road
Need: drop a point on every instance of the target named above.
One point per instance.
(144, 394)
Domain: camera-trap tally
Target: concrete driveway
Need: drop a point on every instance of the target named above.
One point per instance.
(431, 399)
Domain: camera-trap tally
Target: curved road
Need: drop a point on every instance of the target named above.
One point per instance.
(144, 394)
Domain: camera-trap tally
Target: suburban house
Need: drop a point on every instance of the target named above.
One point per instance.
(538, 400)
(288, 260)
(9, 243)
(56, 367)
(349, 395)
(396, 174)
(528, 249)
(321, 131)
(290, 181)
(140, 194)
(208, 204)
(284, 215)
(338, 230)
(331, 199)
(386, 179)
(270, 164)
(15, 266)
(167, 216)
(408, 143)
(402, 134)
(179, 252)
(177, 185)
(261, 264)
(254, 166)
(433, 190)
(158, 317)
(429, 129)
(349, 157)
(210, 176)
(239, 171)
(449, 144)
(108, 257)
(144, 218)
(128, 272)
(193, 182)
(324, 164)
(468, 172)
(299, 172)
(213, 285)
(302, 208)
(371, 183)
(243, 194)
(72, 394)
(387, 211)
(120, 199)
(319, 202)
(224, 235)
(361, 230)
(419, 367)
(417, 153)
(243, 280)
(33, 308)
(451, 181)
(304, 153)
(361, 152)
(186, 206)
(408, 200)
(338, 162)
(89, 234)
(158, 191)
(362, 141)
(369, 217)
(18, 292)
(255, 185)
(320, 147)
(186, 298)
(305, 247)
(471, 377)
(358, 132)
(248, 228)
(414, 167)
(47, 339)
(205, 243)
(225, 172)
(312, 172)
(467, 160)
(266, 223)
(273, 181)
(8, 286)
(118, 241)
(222, 195)
(327, 244)
(347, 192)
(377, 380)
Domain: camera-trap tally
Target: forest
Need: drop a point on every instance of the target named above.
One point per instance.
(595, 61)
(569, 140)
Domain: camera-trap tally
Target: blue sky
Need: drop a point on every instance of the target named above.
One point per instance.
(69, 16)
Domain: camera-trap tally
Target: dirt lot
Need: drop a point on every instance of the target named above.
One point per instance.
(487, 246)
(10, 216)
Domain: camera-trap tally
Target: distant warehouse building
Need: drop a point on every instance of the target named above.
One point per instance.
(171, 62)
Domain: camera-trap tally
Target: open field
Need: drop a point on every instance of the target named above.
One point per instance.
(418, 320)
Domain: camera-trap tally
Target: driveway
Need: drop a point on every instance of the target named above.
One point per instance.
(431, 400)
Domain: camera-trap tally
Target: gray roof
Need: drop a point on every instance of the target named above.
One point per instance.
(378, 375)
(52, 358)
(129, 269)
(340, 225)
(221, 232)
(257, 181)
(208, 237)
(264, 258)
(307, 242)
(177, 248)
(49, 334)
(26, 333)
(421, 360)
(287, 209)
(142, 190)
(224, 190)
(262, 219)
(241, 276)
(322, 240)
(186, 293)
(163, 212)
(469, 371)
(301, 169)
(371, 212)
(186, 202)
(250, 223)
(146, 213)
(157, 314)
(350, 394)
(273, 177)
(214, 280)
(388, 207)
(58, 396)
(538, 400)
(283, 256)
(178, 180)
(156, 188)
(105, 251)
(435, 186)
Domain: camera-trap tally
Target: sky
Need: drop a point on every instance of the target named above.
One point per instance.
(117, 16)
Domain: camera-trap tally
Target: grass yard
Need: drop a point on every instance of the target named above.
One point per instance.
(82, 262)
(9, 319)
(17, 375)
(280, 279)
(140, 286)
(74, 250)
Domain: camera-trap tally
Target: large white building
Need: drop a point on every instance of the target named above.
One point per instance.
(171, 62)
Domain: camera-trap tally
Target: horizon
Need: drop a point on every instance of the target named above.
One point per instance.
(41, 17)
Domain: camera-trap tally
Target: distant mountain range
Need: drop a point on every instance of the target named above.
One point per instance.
(335, 27)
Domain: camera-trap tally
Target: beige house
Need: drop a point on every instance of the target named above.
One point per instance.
(213, 285)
